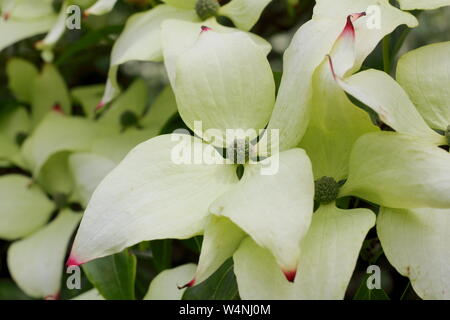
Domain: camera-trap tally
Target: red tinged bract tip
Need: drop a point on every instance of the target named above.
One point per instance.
(73, 262)
(53, 297)
(100, 106)
(187, 285)
(57, 108)
(6, 16)
(349, 28)
(290, 275)
(205, 28)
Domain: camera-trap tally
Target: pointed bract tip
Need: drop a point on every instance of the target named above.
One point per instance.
(73, 262)
(290, 275)
(57, 108)
(187, 285)
(205, 28)
(349, 28)
(100, 106)
(355, 16)
(55, 296)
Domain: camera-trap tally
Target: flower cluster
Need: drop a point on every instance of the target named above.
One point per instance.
(284, 230)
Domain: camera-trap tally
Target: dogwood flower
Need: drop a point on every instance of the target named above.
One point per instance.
(22, 19)
(331, 247)
(141, 38)
(136, 201)
(98, 237)
(67, 157)
(405, 172)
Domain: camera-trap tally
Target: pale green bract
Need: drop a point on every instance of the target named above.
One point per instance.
(415, 242)
(328, 256)
(424, 73)
(166, 285)
(68, 157)
(214, 95)
(25, 208)
(308, 49)
(414, 155)
(141, 38)
(36, 262)
(407, 173)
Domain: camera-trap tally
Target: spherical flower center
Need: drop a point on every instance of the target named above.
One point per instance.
(207, 8)
(129, 119)
(326, 190)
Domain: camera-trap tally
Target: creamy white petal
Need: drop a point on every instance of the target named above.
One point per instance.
(165, 285)
(274, 209)
(150, 195)
(244, 13)
(424, 73)
(416, 244)
(382, 94)
(220, 240)
(25, 207)
(399, 171)
(230, 91)
(328, 257)
(310, 45)
(36, 263)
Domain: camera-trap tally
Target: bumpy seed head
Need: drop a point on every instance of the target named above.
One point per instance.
(207, 8)
(447, 135)
(21, 137)
(239, 151)
(128, 119)
(326, 190)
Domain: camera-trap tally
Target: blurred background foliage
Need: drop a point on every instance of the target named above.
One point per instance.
(82, 56)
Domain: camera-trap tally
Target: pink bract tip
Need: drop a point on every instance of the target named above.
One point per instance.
(100, 106)
(72, 261)
(205, 28)
(349, 28)
(188, 285)
(57, 108)
(52, 296)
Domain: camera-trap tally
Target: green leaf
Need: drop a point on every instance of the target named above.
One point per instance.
(194, 244)
(221, 285)
(113, 276)
(364, 293)
(162, 254)
(10, 291)
(92, 38)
